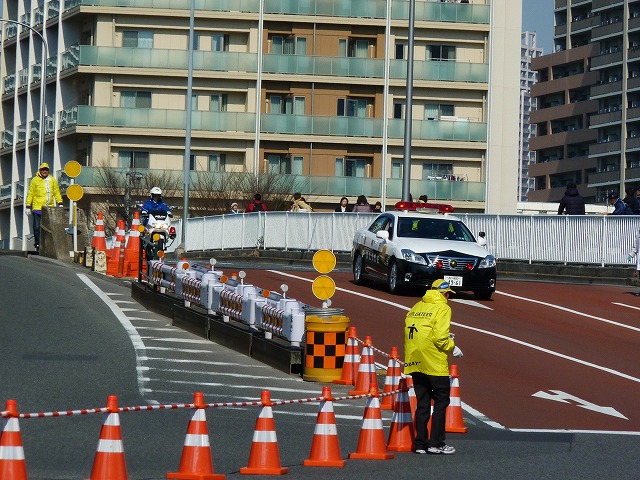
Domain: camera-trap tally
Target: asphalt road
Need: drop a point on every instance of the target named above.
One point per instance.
(70, 338)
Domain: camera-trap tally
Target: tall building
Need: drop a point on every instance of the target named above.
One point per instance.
(529, 51)
(313, 89)
(589, 101)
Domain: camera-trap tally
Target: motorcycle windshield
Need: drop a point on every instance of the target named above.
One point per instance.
(158, 214)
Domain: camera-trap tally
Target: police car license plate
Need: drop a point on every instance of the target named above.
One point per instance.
(453, 281)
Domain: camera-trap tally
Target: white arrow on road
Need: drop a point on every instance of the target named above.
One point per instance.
(558, 396)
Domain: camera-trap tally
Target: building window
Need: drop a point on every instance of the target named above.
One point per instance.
(286, 105)
(348, 107)
(219, 42)
(133, 159)
(354, 47)
(437, 171)
(135, 99)
(351, 167)
(285, 164)
(218, 103)
(397, 109)
(217, 162)
(289, 45)
(433, 111)
(192, 162)
(396, 169)
(400, 49)
(441, 52)
(137, 39)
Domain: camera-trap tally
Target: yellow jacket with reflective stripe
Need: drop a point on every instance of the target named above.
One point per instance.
(39, 195)
(426, 336)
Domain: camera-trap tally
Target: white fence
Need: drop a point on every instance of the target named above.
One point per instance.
(591, 239)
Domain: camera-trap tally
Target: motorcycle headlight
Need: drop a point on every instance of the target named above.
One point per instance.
(411, 256)
(487, 262)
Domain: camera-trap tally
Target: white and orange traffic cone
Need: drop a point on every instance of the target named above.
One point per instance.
(392, 380)
(12, 463)
(371, 445)
(413, 400)
(99, 241)
(196, 462)
(116, 254)
(132, 250)
(325, 448)
(402, 432)
(109, 462)
(367, 377)
(264, 458)
(351, 360)
(454, 422)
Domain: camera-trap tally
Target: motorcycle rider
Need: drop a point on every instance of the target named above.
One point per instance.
(154, 204)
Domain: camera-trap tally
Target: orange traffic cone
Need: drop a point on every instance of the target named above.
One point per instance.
(413, 400)
(401, 433)
(366, 371)
(454, 422)
(117, 252)
(351, 360)
(325, 449)
(99, 241)
(264, 458)
(391, 380)
(132, 250)
(109, 462)
(12, 462)
(371, 441)
(196, 462)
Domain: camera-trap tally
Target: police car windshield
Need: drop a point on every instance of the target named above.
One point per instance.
(434, 228)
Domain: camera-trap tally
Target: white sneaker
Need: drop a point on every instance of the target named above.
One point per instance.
(445, 450)
(420, 451)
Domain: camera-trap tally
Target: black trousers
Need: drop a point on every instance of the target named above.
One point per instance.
(427, 388)
(36, 229)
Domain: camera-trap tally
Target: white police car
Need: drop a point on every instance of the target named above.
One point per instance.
(410, 248)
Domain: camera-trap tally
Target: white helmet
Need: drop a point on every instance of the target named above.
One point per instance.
(156, 191)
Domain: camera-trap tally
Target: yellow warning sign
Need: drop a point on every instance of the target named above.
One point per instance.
(72, 168)
(324, 261)
(323, 287)
(75, 192)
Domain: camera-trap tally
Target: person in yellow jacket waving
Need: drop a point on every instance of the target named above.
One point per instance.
(427, 343)
(43, 192)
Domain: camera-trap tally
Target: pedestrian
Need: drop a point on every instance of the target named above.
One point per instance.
(631, 200)
(619, 207)
(299, 204)
(362, 206)
(234, 208)
(572, 203)
(256, 205)
(427, 342)
(377, 208)
(43, 192)
(344, 205)
(634, 253)
(423, 199)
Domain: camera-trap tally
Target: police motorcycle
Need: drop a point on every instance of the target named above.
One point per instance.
(156, 231)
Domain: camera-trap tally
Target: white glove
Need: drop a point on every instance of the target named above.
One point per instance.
(28, 211)
(457, 352)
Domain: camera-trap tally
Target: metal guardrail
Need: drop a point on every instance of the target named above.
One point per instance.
(591, 239)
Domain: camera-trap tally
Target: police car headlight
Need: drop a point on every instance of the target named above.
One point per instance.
(413, 257)
(488, 262)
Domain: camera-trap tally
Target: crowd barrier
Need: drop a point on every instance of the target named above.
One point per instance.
(264, 458)
(232, 298)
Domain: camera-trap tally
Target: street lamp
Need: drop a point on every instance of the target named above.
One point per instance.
(43, 76)
(406, 167)
(187, 146)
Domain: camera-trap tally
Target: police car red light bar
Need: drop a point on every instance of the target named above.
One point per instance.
(417, 206)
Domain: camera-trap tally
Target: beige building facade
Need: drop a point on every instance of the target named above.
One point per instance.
(314, 89)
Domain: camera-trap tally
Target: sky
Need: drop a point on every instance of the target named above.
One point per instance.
(537, 16)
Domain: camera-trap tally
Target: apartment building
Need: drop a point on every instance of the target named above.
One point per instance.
(311, 89)
(589, 101)
(528, 77)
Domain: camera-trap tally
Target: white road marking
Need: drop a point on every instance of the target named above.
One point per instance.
(565, 309)
(119, 302)
(599, 432)
(225, 374)
(625, 305)
(471, 303)
(158, 329)
(559, 396)
(205, 362)
(179, 340)
(181, 350)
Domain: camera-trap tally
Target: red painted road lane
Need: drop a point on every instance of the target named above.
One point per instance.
(499, 376)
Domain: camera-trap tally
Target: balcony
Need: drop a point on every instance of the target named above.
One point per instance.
(23, 78)
(633, 114)
(5, 193)
(10, 30)
(559, 4)
(603, 119)
(604, 148)
(425, 11)
(584, 24)
(607, 59)
(603, 178)
(22, 133)
(446, 71)
(634, 24)
(606, 30)
(605, 89)
(38, 16)
(7, 139)
(633, 84)
(88, 55)
(9, 84)
(560, 30)
(633, 144)
(600, 4)
(634, 53)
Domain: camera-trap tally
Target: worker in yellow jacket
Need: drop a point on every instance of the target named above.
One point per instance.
(43, 192)
(427, 343)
